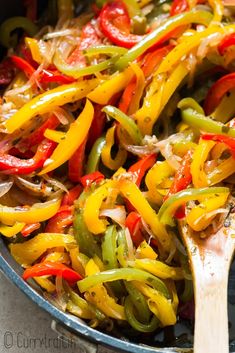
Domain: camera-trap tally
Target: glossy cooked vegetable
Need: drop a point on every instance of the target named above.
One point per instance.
(114, 125)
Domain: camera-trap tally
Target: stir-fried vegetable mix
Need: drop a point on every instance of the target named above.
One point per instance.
(116, 126)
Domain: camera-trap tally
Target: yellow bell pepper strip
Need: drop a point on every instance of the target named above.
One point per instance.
(39, 212)
(199, 157)
(58, 256)
(139, 88)
(126, 122)
(75, 263)
(97, 294)
(198, 218)
(56, 136)
(128, 274)
(11, 231)
(121, 156)
(158, 304)
(225, 110)
(187, 45)
(160, 172)
(45, 102)
(28, 252)
(33, 46)
(161, 33)
(92, 207)
(45, 283)
(160, 269)
(170, 206)
(74, 137)
(145, 251)
(172, 289)
(106, 90)
(148, 114)
(218, 11)
(130, 191)
(222, 171)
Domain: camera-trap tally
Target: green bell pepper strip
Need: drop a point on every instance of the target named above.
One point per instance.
(104, 49)
(7, 39)
(76, 71)
(84, 238)
(130, 316)
(94, 156)
(126, 122)
(128, 274)
(170, 206)
(187, 294)
(190, 103)
(161, 33)
(202, 122)
(139, 302)
(109, 247)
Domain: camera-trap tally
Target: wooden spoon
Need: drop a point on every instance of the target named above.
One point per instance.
(210, 260)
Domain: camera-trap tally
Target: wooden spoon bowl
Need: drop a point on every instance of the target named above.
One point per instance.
(210, 260)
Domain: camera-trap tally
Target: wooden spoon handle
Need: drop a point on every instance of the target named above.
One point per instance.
(211, 324)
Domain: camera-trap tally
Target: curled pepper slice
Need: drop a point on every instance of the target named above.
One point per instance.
(28, 252)
(13, 165)
(48, 268)
(116, 25)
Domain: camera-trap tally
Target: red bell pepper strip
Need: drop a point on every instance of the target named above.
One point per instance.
(30, 228)
(76, 163)
(227, 140)
(182, 180)
(88, 179)
(48, 268)
(217, 91)
(178, 6)
(37, 136)
(71, 196)
(6, 72)
(13, 165)
(47, 76)
(183, 176)
(226, 42)
(153, 58)
(14, 151)
(141, 167)
(133, 223)
(23, 65)
(116, 25)
(127, 96)
(62, 219)
(89, 37)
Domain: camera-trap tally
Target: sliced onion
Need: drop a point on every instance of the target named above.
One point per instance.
(63, 33)
(36, 189)
(5, 186)
(56, 183)
(206, 44)
(178, 244)
(117, 214)
(63, 116)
